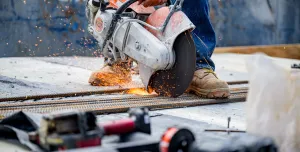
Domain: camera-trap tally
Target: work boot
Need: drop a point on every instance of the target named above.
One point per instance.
(116, 74)
(205, 83)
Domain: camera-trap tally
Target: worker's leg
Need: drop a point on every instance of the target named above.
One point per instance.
(205, 82)
(204, 35)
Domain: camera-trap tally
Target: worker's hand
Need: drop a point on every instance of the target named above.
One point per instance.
(148, 3)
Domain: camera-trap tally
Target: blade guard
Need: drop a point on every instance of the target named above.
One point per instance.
(177, 24)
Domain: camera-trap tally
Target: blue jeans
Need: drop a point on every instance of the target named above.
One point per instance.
(204, 34)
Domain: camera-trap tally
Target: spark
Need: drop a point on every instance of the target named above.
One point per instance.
(138, 91)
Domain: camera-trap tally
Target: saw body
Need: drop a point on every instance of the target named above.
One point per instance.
(125, 30)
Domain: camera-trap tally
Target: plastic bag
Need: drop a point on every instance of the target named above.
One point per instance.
(273, 102)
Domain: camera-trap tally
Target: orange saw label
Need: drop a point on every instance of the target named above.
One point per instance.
(99, 25)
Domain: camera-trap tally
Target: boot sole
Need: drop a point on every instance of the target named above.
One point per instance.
(210, 93)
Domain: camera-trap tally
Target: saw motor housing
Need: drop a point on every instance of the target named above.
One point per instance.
(145, 35)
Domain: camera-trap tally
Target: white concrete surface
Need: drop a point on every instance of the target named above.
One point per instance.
(28, 76)
(32, 76)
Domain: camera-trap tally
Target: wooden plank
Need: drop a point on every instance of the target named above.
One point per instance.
(291, 51)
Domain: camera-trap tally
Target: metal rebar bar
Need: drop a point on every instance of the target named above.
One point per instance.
(102, 104)
(84, 93)
(68, 94)
(224, 130)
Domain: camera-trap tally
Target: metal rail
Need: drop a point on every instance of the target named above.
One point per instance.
(116, 103)
(106, 102)
(82, 93)
(58, 95)
(103, 99)
(237, 82)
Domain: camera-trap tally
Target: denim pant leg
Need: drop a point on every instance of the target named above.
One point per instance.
(204, 34)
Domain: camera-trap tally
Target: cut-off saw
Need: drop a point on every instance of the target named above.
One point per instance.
(158, 39)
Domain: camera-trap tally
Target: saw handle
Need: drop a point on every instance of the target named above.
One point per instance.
(125, 6)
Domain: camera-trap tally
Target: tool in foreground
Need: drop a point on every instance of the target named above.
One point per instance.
(77, 131)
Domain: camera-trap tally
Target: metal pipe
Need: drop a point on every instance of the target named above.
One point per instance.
(224, 130)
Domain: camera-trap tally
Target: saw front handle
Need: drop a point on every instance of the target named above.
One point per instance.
(174, 8)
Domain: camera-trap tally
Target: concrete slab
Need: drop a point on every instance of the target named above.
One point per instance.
(48, 75)
(30, 76)
(68, 74)
(213, 114)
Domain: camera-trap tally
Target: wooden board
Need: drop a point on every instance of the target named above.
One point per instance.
(291, 51)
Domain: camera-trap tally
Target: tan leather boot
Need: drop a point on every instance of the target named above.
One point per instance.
(114, 75)
(205, 83)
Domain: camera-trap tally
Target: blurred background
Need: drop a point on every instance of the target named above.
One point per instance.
(58, 27)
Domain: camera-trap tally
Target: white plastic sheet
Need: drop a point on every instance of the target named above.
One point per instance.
(273, 102)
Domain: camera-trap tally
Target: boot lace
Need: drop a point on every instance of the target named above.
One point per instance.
(209, 71)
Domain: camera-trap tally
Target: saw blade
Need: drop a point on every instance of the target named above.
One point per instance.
(175, 81)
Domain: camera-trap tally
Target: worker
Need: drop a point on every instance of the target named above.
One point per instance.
(205, 82)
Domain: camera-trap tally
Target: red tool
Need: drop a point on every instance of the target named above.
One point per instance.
(138, 121)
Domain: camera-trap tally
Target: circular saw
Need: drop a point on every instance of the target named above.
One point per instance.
(159, 40)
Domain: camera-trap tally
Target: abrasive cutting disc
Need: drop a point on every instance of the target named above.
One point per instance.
(175, 81)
